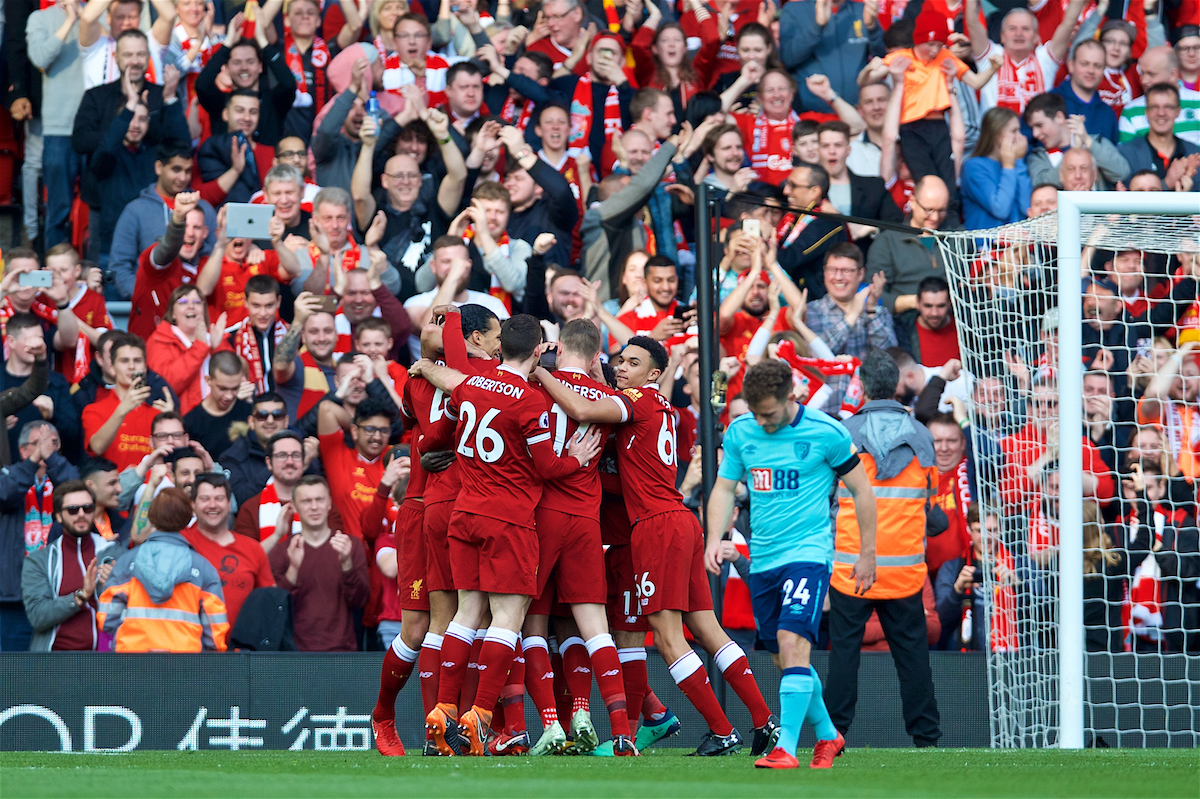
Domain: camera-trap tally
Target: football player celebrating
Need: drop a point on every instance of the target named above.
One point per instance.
(505, 450)
(668, 544)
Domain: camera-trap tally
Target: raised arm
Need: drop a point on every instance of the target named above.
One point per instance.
(606, 411)
(980, 43)
(1060, 43)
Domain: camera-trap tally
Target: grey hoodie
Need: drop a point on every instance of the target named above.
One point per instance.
(61, 68)
(886, 431)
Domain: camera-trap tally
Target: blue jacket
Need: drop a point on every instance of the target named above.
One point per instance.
(993, 196)
(139, 226)
(839, 50)
(1099, 118)
(66, 415)
(15, 481)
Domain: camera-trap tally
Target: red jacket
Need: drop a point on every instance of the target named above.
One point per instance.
(1023, 448)
(181, 366)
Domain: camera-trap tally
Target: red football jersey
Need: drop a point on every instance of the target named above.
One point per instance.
(438, 432)
(504, 445)
(769, 145)
(646, 453)
(412, 422)
(644, 318)
(229, 297)
(153, 288)
(577, 494)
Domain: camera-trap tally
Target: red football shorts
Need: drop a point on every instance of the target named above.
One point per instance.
(622, 602)
(491, 555)
(438, 576)
(668, 561)
(570, 561)
(411, 582)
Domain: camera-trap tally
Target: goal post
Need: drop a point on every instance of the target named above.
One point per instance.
(1039, 690)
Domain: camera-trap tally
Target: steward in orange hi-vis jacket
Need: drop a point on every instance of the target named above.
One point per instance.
(163, 596)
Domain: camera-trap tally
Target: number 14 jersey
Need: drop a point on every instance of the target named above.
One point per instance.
(646, 453)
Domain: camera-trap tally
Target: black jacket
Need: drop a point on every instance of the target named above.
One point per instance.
(100, 104)
(555, 212)
(245, 460)
(24, 80)
(276, 90)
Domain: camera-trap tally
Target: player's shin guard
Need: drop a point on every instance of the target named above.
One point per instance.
(456, 650)
(688, 673)
(607, 666)
(795, 692)
(734, 666)
(397, 666)
(539, 678)
(471, 680)
(577, 668)
(429, 669)
(512, 696)
(495, 657)
(633, 673)
(817, 715)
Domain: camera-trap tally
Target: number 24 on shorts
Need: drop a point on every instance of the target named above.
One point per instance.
(793, 592)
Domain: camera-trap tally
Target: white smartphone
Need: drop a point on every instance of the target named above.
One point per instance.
(752, 227)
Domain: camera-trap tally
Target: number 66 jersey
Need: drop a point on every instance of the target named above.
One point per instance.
(646, 453)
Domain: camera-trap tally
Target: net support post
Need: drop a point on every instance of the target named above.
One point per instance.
(706, 322)
(1070, 435)
(1071, 206)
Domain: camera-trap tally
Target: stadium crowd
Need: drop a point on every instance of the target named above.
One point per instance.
(519, 160)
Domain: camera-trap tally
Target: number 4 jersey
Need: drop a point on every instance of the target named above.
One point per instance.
(504, 445)
(646, 453)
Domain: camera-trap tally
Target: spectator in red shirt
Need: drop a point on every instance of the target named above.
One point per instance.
(747, 306)
(655, 316)
(1028, 451)
(171, 261)
(934, 337)
(354, 473)
(240, 561)
(88, 305)
(234, 261)
(325, 570)
(183, 342)
(118, 426)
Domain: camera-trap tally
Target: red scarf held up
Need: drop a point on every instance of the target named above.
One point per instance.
(40, 309)
(39, 515)
(583, 115)
(295, 63)
(245, 344)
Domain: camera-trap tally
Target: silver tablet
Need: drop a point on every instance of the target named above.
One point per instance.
(248, 220)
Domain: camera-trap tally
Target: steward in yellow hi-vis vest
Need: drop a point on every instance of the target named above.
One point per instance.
(897, 453)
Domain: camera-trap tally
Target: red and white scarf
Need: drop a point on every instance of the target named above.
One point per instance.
(269, 507)
(771, 144)
(345, 334)
(351, 260)
(510, 115)
(1017, 84)
(583, 115)
(39, 515)
(39, 309)
(495, 289)
(396, 74)
(295, 62)
(245, 344)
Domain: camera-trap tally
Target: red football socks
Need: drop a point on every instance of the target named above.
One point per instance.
(633, 672)
(688, 673)
(397, 666)
(607, 666)
(471, 680)
(429, 667)
(539, 678)
(652, 708)
(456, 649)
(734, 666)
(512, 696)
(577, 668)
(495, 656)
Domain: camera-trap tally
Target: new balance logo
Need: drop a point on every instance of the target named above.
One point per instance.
(582, 670)
(425, 675)
(548, 675)
(472, 665)
(481, 667)
(747, 673)
(448, 664)
(612, 673)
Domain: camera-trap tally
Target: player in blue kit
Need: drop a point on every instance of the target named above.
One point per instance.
(790, 458)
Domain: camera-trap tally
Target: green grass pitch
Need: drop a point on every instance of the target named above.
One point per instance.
(890, 773)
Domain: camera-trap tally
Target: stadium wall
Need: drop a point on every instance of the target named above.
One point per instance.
(96, 702)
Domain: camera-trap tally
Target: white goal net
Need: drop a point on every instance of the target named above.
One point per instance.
(1084, 381)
